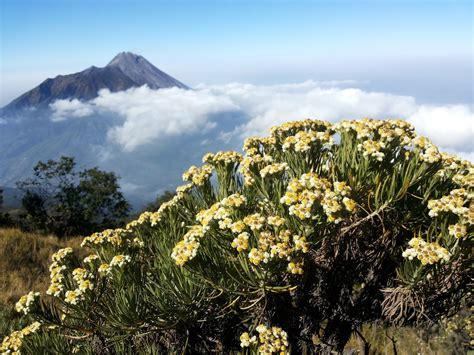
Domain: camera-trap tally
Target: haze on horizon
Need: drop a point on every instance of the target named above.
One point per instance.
(418, 48)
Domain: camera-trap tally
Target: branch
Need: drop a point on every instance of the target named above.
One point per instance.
(394, 343)
(360, 221)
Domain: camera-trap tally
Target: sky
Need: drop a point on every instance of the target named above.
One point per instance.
(419, 48)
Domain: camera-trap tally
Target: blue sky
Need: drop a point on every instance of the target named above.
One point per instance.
(419, 48)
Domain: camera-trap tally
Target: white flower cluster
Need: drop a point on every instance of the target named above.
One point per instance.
(385, 130)
(83, 279)
(309, 191)
(198, 176)
(292, 128)
(254, 221)
(25, 302)
(153, 218)
(282, 245)
(454, 202)
(120, 260)
(428, 151)
(252, 165)
(186, 249)
(115, 237)
(302, 141)
(12, 344)
(273, 169)
(373, 149)
(273, 340)
(91, 259)
(377, 136)
(61, 254)
(222, 158)
(427, 253)
(57, 269)
(457, 230)
(73, 297)
(241, 242)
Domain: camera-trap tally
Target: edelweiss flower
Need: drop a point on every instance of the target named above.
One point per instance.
(427, 253)
(120, 260)
(25, 302)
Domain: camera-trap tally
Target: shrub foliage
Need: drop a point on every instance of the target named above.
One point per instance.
(291, 247)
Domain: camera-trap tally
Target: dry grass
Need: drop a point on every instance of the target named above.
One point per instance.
(24, 262)
(407, 340)
(24, 265)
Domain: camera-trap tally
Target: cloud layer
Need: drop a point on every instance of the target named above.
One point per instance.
(148, 116)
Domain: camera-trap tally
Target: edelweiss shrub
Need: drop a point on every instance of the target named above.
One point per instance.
(289, 247)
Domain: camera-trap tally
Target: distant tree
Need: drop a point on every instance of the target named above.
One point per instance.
(5, 218)
(61, 200)
(35, 212)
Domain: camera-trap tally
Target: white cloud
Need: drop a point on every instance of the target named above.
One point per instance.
(451, 127)
(150, 115)
(64, 109)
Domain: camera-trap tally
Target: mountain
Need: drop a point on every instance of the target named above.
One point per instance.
(124, 71)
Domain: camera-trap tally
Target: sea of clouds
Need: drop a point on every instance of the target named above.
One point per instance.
(154, 124)
(151, 114)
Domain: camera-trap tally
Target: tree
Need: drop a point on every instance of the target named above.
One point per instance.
(319, 229)
(63, 201)
(5, 219)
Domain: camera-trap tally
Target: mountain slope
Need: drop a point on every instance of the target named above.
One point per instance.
(83, 85)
